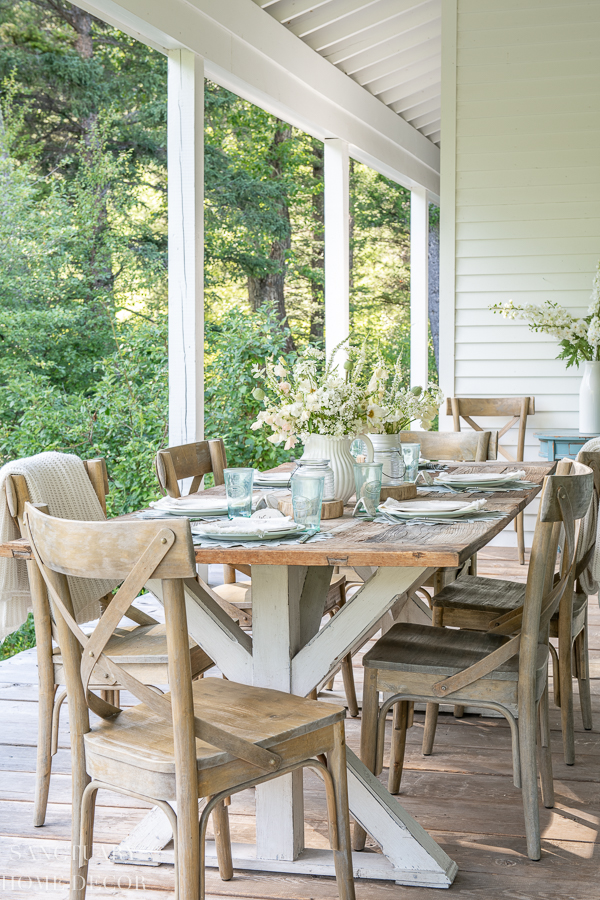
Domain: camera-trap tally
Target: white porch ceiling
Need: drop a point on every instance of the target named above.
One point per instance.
(392, 48)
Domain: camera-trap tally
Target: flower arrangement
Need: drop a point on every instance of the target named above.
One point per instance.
(314, 397)
(579, 338)
(391, 408)
(311, 397)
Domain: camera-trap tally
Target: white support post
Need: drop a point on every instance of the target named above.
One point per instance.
(185, 148)
(419, 286)
(337, 243)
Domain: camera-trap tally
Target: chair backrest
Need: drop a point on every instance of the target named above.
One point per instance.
(564, 501)
(17, 492)
(516, 408)
(190, 461)
(133, 552)
(467, 447)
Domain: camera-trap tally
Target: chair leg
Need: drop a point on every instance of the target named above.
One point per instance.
(459, 712)
(220, 817)
(555, 673)
(398, 746)
(88, 809)
(583, 676)
(43, 766)
(336, 763)
(545, 752)
(349, 686)
(431, 717)
(520, 529)
(567, 716)
(527, 748)
(368, 738)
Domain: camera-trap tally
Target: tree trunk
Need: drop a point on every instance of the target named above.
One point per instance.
(317, 310)
(271, 286)
(434, 290)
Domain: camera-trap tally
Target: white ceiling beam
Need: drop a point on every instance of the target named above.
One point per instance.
(413, 86)
(371, 62)
(285, 11)
(324, 27)
(414, 18)
(435, 137)
(322, 16)
(431, 128)
(404, 75)
(251, 54)
(421, 122)
(404, 106)
(373, 74)
(425, 107)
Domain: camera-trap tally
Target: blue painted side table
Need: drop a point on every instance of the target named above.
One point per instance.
(561, 442)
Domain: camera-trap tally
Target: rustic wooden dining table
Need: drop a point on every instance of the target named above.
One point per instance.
(288, 650)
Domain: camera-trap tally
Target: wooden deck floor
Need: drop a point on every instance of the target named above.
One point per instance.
(462, 794)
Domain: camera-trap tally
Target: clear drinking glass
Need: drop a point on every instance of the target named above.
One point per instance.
(367, 479)
(238, 487)
(392, 461)
(411, 454)
(307, 498)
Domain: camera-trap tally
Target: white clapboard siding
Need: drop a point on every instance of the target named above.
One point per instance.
(523, 210)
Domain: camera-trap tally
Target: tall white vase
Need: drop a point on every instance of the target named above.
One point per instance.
(337, 451)
(589, 399)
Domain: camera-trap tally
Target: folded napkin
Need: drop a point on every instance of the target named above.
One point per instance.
(393, 506)
(474, 478)
(190, 502)
(258, 524)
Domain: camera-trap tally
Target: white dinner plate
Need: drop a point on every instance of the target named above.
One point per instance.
(198, 506)
(428, 506)
(222, 535)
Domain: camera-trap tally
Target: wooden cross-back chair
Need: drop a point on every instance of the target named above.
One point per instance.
(517, 409)
(501, 669)
(447, 445)
(141, 648)
(475, 603)
(196, 460)
(205, 739)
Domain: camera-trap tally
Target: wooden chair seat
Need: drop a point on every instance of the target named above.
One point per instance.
(441, 652)
(491, 597)
(142, 650)
(135, 750)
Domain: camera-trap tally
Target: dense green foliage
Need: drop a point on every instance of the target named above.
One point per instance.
(83, 243)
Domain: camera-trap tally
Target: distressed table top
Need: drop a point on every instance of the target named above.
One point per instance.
(358, 543)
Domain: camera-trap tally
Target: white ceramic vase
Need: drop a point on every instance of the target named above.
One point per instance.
(387, 442)
(337, 451)
(589, 399)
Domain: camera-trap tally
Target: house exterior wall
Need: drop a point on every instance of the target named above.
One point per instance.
(520, 195)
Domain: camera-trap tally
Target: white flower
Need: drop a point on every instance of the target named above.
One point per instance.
(280, 370)
(285, 387)
(593, 334)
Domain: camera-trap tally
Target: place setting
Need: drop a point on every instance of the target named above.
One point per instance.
(482, 482)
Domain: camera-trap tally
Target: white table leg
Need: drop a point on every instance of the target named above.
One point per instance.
(287, 607)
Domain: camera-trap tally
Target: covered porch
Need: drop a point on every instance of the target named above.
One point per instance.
(490, 110)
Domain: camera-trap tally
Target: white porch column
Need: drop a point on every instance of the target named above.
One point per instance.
(337, 242)
(185, 148)
(419, 285)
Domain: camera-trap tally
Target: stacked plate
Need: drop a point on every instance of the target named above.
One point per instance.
(239, 529)
(483, 479)
(436, 509)
(272, 479)
(192, 506)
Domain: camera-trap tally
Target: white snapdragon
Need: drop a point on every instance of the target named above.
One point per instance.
(593, 333)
